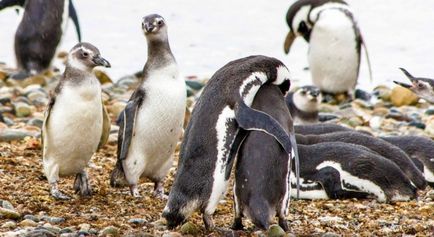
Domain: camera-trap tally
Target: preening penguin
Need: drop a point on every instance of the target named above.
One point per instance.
(262, 174)
(423, 87)
(218, 124)
(334, 41)
(303, 104)
(40, 32)
(76, 122)
(151, 123)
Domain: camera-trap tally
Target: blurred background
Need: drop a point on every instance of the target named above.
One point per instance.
(205, 35)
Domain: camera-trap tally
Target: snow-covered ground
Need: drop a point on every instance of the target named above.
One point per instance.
(204, 35)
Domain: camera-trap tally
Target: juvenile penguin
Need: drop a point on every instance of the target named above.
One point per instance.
(151, 123)
(39, 32)
(381, 147)
(262, 183)
(217, 127)
(76, 122)
(334, 42)
(420, 150)
(423, 87)
(303, 104)
(334, 170)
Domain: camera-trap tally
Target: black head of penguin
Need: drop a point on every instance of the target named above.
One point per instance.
(262, 171)
(84, 56)
(154, 27)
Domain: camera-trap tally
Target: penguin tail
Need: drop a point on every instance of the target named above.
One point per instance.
(117, 177)
(259, 212)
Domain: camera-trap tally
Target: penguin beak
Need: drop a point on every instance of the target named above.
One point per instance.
(290, 37)
(403, 84)
(409, 76)
(148, 27)
(100, 61)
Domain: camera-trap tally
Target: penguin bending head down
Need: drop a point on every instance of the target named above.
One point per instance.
(219, 123)
(151, 124)
(303, 104)
(422, 87)
(76, 123)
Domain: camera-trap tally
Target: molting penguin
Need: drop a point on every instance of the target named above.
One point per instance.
(341, 170)
(303, 104)
(151, 123)
(334, 42)
(217, 127)
(423, 87)
(261, 189)
(420, 149)
(39, 32)
(76, 122)
(377, 145)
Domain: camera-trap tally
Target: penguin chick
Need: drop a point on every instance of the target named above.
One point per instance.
(76, 122)
(151, 123)
(303, 104)
(422, 87)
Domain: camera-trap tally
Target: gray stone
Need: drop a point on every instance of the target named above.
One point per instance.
(7, 205)
(110, 231)
(189, 229)
(32, 217)
(53, 219)
(9, 225)
(84, 227)
(22, 109)
(330, 234)
(35, 122)
(429, 112)
(69, 235)
(9, 214)
(28, 223)
(275, 231)
(136, 221)
(40, 233)
(172, 234)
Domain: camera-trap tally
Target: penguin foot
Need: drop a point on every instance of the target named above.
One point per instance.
(135, 191)
(159, 191)
(82, 185)
(58, 195)
(208, 221)
(238, 224)
(283, 224)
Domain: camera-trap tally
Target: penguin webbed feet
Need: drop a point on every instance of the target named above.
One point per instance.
(208, 221)
(283, 223)
(135, 191)
(237, 224)
(57, 194)
(82, 185)
(159, 191)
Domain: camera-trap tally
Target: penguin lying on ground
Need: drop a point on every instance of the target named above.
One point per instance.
(321, 128)
(422, 87)
(40, 32)
(76, 122)
(334, 42)
(218, 124)
(303, 104)
(151, 123)
(261, 189)
(341, 170)
(420, 149)
(377, 145)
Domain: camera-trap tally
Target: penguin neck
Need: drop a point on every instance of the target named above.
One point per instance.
(159, 54)
(75, 74)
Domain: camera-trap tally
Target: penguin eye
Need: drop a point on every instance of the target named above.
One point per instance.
(85, 54)
(303, 92)
(160, 22)
(421, 86)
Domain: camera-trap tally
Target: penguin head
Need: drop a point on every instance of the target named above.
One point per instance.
(307, 98)
(423, 87)
(85, 56)
(153, 25)
(297, 19)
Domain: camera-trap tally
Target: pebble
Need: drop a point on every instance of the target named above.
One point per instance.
(116, 108)
(172, 234)
(429, 112)
(69, 235)
(275, 231)
(330, 234)
(7, 205)
(189, 229)
(136, 221)
(402, 96)
(110, 231)
(27, 223)
(84, 227)
(9, 225)
(53, 220)
(9, 214)
(35, 122)
(22, 109)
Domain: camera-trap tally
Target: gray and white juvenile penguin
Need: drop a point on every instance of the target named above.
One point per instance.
(40, 32)
(420, 150)
(219, 122)
(381, 147)
(334, 170)
(262, 183)
(151, 123)
(303, 105)
(334, 41)
(76, 122)
(422, 87)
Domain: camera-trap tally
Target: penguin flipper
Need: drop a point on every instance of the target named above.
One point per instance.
(239, 138)
(105, 127)
(10, 3)
(46, 119)
(74, 18)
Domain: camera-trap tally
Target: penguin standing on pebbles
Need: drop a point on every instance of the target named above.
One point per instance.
(303, 105)
(76, 122)
(422, 87)
(334, 41)
(151, 123)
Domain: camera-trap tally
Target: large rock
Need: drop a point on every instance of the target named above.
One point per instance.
(402, 96)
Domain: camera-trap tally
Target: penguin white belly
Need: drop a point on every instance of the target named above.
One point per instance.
(333, 55)
(74, 129)
(158, 128)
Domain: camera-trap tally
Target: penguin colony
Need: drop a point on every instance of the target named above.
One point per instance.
(242, 119)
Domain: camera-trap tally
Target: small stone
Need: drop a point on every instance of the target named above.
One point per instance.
(275, 231)
(54, 220)
(69, 235)
(35, 122)
(28, 223)
(136, 221)
(429, 112)
(84, 227)
(31, 217)
(22, 109)
(41, 232)
(402, 96)
(382, 92)
(363, 95)
(116, 108)
(102, 77)
(417, 124)
(172, 234)
(35, 95)
(110, 231)
(7, 205)
(9, 225)
(189, 229)
(67, 230)
(9, 214)
(330, 234)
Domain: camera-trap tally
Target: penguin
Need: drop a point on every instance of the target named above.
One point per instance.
(303, 105)
(334, 40)
(262, 167)
(40, 32)
(321, 128)
(336, 170)
(76, 123)
(219, 122)
(422, 87)
(420, 150)
(377, 145)
(152, 121)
